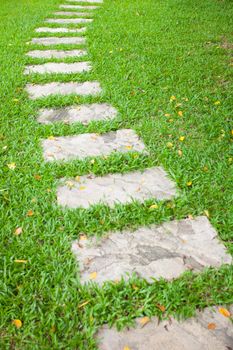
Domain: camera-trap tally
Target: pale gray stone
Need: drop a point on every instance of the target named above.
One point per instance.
(78, 7)
(189, 334)
(116, 188)
(82, 113)
(60, 30)
(44, 90)
(65, 68)
(68, 20)
(56, 53)
(164, 251)
(73, 13)
(57, 41)
(91, 145)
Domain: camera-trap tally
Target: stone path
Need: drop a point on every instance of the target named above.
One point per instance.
(209, 330)
(165, 250)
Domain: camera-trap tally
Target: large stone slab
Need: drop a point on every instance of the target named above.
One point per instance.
(60, 30)
(78, 7)
(164, 251)
(116, 188)
(190, 334)
(65, 68)
(43, 90)
(68, 20)
(83, 114)
(73, 13)
(56, 53)
(57, 41)
(91, 145)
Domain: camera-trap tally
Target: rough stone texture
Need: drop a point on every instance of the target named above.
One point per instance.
(83, 114)
(56, 53)
(91, 145)
(72, 13)
(51, 67)
(68, 20)
(78, 7)
(60, 30)
(152, 252)
(116, 188)
(38, 91)
(190, 334)
(58, 41)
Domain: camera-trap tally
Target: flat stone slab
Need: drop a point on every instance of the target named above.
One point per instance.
(91, 145)
(190, 334)
(151, 252)
(65, 68)
(83, 114)
(56, 53)
(58, 41)
(68, 20)
(60, 30)
(116, 188)
(78, 7)
(71, 13)
(43, 90)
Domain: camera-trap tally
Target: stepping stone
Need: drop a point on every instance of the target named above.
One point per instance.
(78, 7)
(84, 89)
(83, 114)
(190, 334)
(56, 53)
(58, 41)
(91, 145)
(68, 20)
(115, 188)
(51, 67)
(60, 30)
(66, 13)
(151, 252)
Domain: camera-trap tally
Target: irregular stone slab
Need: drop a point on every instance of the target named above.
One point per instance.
(65, 68)
(73, 13)
(60, 30)
(116, 188)
(44, 90)
(152, 252)
(58, 41)
(190, 334)
(78, 7)
(91, 145)
(68, 20)
(56, 53)
(83, 114)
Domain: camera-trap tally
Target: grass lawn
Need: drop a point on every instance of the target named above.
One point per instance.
(166, 65)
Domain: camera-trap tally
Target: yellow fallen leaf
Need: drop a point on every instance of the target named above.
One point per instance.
(178, 105)
(172, 98)
(77, 178)
(92, 161)
(20, 261)
(161, 307)
(30, 213)
(83, 304)
(17, 323)
(180, 152)
(126, 348)
(205, 168)
(15, 100)
(217, 103)
(93, 275)
(53, 329)
(232, 132)
(18, 231)
(211, 326)
(69, 184)
(169, 144)
(144, 320)
(167, 115)
(82, 237)
(180, 113)
(190, 216)
(224, 312)
(189, 183)
(170, 120)
(154, 206)
(82, 188)
(181, 138)
(11, 166)
(206, 212)
(135, 287)
(51, 138)
(128, 147)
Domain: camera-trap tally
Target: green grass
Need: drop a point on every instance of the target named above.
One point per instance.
(142, 52)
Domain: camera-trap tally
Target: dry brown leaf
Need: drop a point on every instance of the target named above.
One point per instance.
(30, 213)
(161, 307)
(144, 320)
(37, 177)
(212, 326)
(224, 312)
